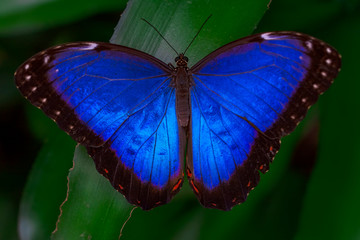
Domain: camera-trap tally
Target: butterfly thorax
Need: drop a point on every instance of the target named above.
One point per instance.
(182, 80)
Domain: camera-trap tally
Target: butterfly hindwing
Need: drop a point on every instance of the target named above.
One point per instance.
(119, 104)
(245, 97)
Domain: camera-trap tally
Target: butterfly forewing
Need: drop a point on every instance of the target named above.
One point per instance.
(245, 97)
(118, 103)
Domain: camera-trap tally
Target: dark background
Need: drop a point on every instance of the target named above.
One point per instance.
(312, 190)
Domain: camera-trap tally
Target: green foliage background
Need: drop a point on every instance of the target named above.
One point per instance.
(312, 190)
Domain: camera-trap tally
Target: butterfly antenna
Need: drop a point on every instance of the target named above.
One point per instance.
(159, 34)
(197, 33)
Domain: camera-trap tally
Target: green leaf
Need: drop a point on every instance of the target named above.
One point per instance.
(92, 208)
(45, 189)
(300, 15)
(331, 205)
(179, 21)
(27, 16)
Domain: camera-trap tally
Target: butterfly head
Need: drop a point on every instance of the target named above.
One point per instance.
(181, 60)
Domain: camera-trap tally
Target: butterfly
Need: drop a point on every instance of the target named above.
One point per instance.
(140, 118)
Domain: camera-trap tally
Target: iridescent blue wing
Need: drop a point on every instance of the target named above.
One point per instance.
(245, 97)
(118, 103)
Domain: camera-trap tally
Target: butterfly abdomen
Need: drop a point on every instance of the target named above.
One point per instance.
(182, 85)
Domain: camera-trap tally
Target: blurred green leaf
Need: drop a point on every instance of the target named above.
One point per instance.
(300, 15)
(46, 188)
(92, 208)
(22, 16)
(8, 209)
(40, 125)
(331, 206)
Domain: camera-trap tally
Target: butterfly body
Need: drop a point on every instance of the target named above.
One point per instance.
(183, 80)
(136, 114)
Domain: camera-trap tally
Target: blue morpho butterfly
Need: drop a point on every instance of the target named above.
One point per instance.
(137, 115)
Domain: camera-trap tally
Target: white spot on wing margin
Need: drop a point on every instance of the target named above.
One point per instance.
(90, 46)
(267, 36)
